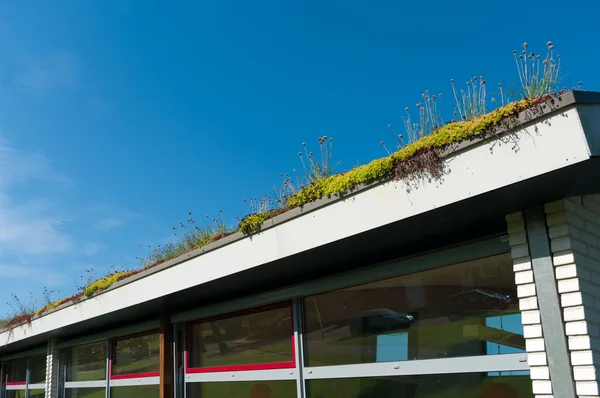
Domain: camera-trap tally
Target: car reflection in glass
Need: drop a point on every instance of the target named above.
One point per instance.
(379, 320)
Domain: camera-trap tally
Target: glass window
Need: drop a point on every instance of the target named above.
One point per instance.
(260, 338)
(85, 393)
(36, 393)
(459, 310)
(253, 389)
(135, 392)
(16, 370)
(87, 362)
(138, 356)
(15, 394)
(471, 385)
(37, 369)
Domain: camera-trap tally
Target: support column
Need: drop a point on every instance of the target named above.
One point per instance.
(538, 302)
(574, 230)
(166, 356)
(52, 370)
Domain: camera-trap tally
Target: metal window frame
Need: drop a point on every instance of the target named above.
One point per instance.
(22, 386)
(132, 376)
(142, 329)
(286, 304)
(448, 256)
(467, 251)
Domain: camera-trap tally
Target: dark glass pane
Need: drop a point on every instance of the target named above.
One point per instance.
(136, 355)
(37, 369)
(254, 389)
(135, 392)
(459, 310)
(16, 370)
(471, 385)
(36, 393)
(252, 338)
(85, 393)
(87, 362)
(15, 394)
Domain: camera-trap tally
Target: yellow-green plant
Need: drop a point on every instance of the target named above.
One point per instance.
(105, 283)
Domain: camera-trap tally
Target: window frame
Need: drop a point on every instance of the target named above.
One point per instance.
(258, 367)
(130, 375)
(22, 385)
(111, 381)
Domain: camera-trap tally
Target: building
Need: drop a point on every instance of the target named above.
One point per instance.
(483, 282)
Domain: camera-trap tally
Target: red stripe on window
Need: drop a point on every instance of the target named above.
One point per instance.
(135, 375)
(15, 383)
(237, 368)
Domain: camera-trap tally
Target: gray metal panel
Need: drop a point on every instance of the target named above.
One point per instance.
(589, 116)
(438, 258)
(488, 363)
(553, 329)
(138, 328)
(23, 354)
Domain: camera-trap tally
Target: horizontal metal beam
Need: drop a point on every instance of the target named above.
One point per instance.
(249, 375)
(487, 363)
(139, 381)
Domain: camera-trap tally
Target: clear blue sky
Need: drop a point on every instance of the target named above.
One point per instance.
(119, 117)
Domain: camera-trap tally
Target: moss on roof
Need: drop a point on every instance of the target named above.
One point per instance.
(338, 184)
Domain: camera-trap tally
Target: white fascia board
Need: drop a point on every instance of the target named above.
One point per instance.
(552, 143)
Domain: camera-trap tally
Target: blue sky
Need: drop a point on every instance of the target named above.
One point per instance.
(119, 117)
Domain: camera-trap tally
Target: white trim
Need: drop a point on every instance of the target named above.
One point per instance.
(487, 363)
(37, 386)
(15, 388)
(548, 143)
(86, 384)
(247, 375)
(139, 381)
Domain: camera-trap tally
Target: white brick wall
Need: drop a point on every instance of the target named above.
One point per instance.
(528, 304)
(574, 231)
(51, 370)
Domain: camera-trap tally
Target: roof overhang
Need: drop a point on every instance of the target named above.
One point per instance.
(552, 156)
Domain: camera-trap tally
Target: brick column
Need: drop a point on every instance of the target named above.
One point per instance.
(52, 369)
(528, 304)
(574, 230)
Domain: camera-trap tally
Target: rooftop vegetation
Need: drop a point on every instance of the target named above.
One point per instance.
(417, 154)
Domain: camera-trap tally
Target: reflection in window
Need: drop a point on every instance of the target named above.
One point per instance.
(135, 392)
(36, 393)
(87, 362)
(16, 370)
(460, 310)
(471, 385)
(136, 355)
(15, 394)
(250, 338)
(85, 393)
(37, 369)
(254, 389)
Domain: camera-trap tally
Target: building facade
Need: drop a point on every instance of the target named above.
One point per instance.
(482, 283)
